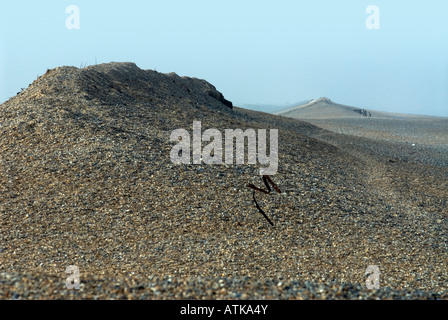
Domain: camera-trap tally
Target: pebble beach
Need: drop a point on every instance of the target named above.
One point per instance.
(86, 180)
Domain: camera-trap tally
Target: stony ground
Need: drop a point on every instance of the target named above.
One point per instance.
(87, 180)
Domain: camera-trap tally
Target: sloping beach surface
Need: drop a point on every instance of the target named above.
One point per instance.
(86, 179)
(419, 131)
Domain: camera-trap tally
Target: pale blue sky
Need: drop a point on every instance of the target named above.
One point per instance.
(272, 52)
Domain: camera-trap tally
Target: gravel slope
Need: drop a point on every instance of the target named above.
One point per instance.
(86, 180)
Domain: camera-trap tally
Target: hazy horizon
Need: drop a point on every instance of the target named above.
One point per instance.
(254, 52)
(273, 108)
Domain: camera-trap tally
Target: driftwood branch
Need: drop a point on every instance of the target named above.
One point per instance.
(266, 181)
